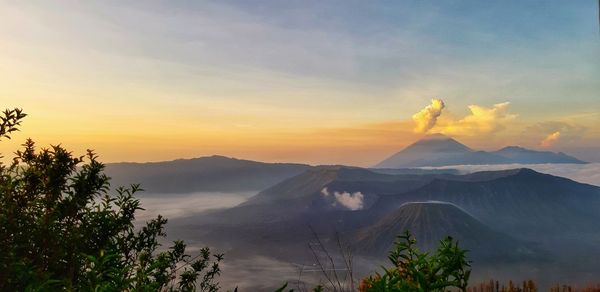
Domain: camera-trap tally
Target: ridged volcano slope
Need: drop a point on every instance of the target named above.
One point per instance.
(430, 222)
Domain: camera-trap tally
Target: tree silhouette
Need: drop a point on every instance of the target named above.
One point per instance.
(62, 229)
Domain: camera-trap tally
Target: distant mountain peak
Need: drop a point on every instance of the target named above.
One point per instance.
(512, 147)
(527, 171)
(436, 136)
(517, 154)
(428, 151)
(217, 157)
(439, 142)
(441, 150)
(208, 173)
(431, 221)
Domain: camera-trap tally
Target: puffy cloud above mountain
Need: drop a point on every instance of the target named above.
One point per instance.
(481, 120)
(545, 134)
(550, 139)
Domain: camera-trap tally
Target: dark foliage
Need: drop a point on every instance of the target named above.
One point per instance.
(415, 271)
(60, 229)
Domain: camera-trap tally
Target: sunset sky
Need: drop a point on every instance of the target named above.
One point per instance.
(301, 81)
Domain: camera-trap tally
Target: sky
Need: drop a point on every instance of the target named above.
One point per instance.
(320, 82)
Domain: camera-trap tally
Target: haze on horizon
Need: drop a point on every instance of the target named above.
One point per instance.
(313, 82)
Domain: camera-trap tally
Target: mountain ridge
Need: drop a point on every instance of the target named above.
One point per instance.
(203, 174)
(431, 221)
(440, 150)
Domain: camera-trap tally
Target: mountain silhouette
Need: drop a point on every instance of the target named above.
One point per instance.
(440, 150)
(204, 174)
(519, 200)
(512, 201)
(517, 154)
(429, 222)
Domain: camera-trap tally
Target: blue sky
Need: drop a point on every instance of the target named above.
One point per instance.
(273, 67)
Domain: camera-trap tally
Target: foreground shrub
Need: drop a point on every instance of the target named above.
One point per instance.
(417, 271)
(60, 229)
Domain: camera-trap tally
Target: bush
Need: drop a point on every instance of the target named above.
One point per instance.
(61, 229)
(417, 271)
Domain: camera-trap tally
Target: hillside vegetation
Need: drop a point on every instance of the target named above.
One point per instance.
(61, 230)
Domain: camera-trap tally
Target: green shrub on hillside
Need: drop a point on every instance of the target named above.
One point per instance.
(60, 229)
(415, 271)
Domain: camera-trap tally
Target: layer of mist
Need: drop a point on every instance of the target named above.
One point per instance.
(584, 173)
(174, 206)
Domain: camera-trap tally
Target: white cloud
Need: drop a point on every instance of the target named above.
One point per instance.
(182, 205)
(481, 120)
(550, 140)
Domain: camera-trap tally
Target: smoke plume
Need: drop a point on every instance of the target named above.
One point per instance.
(351, 201)
(427, 117)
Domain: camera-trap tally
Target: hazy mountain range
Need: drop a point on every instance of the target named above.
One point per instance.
(497, 214)
(515, 221)
(219, 173)
(440, 150)
(213, 173)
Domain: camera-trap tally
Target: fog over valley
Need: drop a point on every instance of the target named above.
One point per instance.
(585, 173)
(181, 205)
